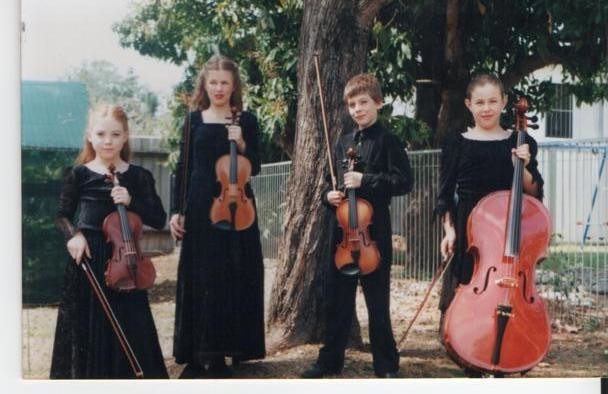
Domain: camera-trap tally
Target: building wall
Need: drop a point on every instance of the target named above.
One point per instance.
(589, 121)
(149, 153)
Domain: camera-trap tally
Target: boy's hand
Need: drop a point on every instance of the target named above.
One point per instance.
(335, 197)
(352, 180)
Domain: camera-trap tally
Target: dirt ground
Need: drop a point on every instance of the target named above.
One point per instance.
(580, 354)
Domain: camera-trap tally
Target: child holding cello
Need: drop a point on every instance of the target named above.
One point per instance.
(85, 346)
(382, 171)
(474, 164)
(219, 309)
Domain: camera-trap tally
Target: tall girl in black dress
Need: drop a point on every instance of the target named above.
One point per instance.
(220, 279)
(85, 346)
(474, 164)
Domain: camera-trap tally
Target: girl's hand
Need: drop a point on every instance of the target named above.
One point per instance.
(121, 195)
(235, 134)
(77, 246)
(447, 243)
(176, 225)
(335, 197)
(522, 152)
(352, 180)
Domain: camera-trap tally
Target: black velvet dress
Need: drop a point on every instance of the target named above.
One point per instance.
(471, 169)
(219, 307)
(85, 346)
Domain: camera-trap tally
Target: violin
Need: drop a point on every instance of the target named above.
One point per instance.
(498, 322)
(232, 209)
(357, 252)
(128, 268)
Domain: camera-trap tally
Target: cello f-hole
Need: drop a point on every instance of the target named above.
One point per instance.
(486, 281)
(530, 299)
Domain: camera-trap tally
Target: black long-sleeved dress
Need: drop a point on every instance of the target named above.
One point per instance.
(219, 307)
(85, 346)
(469, 170)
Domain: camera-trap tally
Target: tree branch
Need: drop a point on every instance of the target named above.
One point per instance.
(368, 10)
(528, 65)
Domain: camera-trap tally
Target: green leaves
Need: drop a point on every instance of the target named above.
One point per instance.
(105, 84)
(260, 35)
(509, 38)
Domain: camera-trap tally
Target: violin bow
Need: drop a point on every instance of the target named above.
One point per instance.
(107, 309)
(186, 159)
(331, 161)
(438, 275)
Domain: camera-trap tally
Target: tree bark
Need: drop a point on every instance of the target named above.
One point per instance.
(430, 74)
(340, 31)
(453, 115)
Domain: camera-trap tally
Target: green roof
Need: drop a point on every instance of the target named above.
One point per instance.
(53, 114)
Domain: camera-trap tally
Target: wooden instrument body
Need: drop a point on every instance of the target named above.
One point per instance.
(471, 321)
(356, 238)
(232, 193)
(128, 268)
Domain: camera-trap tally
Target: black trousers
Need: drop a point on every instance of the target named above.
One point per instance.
(340, 309)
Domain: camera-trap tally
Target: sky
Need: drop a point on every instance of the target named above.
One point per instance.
(62, 34)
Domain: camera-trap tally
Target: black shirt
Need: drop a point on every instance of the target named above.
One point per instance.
(382, 160)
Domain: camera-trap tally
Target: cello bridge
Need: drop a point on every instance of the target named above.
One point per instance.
(508, 282)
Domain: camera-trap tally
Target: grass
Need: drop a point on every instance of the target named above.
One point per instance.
(567, 257)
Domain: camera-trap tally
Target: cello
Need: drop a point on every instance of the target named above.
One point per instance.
(232, 209)
(497, 323)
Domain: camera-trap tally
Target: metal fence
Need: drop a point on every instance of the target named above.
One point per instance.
(573, 279)
(575, 276)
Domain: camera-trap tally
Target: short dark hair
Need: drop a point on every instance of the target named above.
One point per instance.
(361, 84)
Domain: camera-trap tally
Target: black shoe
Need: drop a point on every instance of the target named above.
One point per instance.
(316, 372)
(218, 370)
(191, 371)
(236, 362)
(387, 375)
(472, 373)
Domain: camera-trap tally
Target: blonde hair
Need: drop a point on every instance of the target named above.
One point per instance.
(361, 84)
(87, 153)
(200, 99)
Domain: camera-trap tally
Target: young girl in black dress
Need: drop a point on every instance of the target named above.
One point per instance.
(85, 346)
(474, 164)
(220, 278)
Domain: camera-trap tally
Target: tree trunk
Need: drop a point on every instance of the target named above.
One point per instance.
(339, 30)
(430, 74)
(453, 115)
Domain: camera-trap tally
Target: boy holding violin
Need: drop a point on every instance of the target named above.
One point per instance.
(381, 170)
